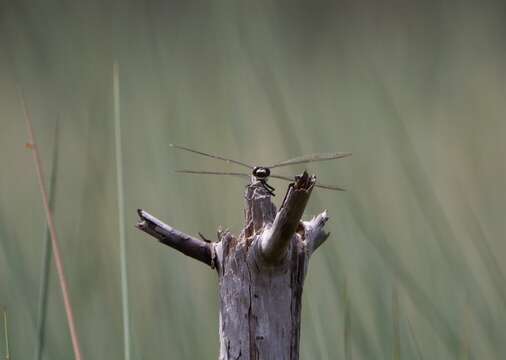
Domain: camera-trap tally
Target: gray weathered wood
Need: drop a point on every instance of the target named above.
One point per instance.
(188, 245)
(275, 238)
(314, 231)
(261, 272)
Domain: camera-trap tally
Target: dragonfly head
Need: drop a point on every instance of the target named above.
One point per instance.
(261, 172)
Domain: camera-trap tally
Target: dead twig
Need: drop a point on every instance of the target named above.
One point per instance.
(32, 145)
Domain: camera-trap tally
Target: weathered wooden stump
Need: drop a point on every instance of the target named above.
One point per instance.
(261, 272)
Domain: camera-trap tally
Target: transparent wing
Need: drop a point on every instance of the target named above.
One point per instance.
(328, 187)
(212, 156)
(203, 172)
(310, 158)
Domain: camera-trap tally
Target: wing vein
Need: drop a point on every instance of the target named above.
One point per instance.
(212, 156)
(311, 158)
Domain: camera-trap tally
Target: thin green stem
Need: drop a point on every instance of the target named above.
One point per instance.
(121, 212)
(413, 339)
(396, 354)
(46, 257)
(348, 351)
(6, 332)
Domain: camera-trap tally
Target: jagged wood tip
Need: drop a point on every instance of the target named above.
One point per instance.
(275, 239)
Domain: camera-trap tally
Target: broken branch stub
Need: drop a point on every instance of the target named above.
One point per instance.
(261, 272)
(188, 245)
(275, 239)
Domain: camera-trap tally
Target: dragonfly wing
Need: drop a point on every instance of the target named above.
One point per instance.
(282, 177)
(330, 187)
(323, 186)
(311, 158)
(203, 172)
(212, 156)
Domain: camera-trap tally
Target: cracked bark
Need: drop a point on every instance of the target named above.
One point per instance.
(261, 272)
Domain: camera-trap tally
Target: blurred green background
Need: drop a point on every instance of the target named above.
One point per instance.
(414, 268)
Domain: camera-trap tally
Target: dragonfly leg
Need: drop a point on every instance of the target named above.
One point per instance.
(268, 187)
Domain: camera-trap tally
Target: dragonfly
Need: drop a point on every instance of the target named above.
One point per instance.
(262, 173)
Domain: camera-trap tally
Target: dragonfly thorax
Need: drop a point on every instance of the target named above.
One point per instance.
(261, 172)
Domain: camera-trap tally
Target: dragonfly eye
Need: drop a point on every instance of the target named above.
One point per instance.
(261, 172)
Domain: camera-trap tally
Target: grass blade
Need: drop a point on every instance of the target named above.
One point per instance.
(46, 257)
(6, 334)
(396, 353)
(348, 352)
(413, 290)
(465, 346)
(415, 342)
(121, 213)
